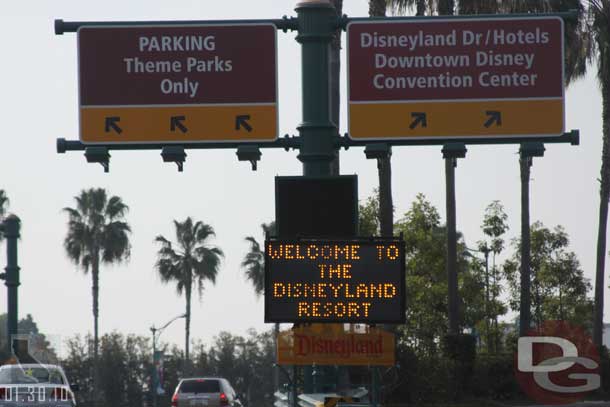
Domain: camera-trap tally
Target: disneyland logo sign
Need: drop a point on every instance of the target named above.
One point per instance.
(307, 345)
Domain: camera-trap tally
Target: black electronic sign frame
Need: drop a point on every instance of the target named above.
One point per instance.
(316, 206)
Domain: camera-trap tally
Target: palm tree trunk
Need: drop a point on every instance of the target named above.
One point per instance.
(445, 7)
(187, 360)
(377, 8)
(604, 196)
(421, 8)
(525, 300)
(95, 291)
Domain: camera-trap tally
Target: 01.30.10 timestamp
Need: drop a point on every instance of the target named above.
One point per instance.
(35, 394)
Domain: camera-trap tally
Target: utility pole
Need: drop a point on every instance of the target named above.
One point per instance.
(11, 230)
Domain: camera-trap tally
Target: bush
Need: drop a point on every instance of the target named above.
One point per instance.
(494, 377)
(428, 378)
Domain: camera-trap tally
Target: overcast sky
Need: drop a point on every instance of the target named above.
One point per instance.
(38, 101)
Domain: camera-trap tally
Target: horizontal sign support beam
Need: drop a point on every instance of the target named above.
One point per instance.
(287, 142)
(566, 15)
(572, 137)
(61, 26)
(291, 23)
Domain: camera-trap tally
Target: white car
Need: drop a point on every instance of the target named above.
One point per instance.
(25, 385)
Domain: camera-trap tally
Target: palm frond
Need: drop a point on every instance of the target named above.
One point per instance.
(115, 240)
(254, 264)
(269, 229)
(116, 208)
(203, 232)
(4, 201)
(599, 12)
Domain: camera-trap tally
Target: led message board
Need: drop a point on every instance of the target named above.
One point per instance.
(354, 280)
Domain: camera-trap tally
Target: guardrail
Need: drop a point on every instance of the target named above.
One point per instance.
(281, 399)
(322, 399)
(312, 400)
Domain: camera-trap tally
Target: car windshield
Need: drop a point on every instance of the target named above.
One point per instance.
(200, 386)
(25, 375)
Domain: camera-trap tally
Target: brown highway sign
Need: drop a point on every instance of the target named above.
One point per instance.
(178, 83)
(456, 78)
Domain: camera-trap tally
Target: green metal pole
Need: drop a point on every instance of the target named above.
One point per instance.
(451, 152)
(525, 302)
(317, 21)
(451, 264)
(11, 227)
(375, 387)
(526, 154)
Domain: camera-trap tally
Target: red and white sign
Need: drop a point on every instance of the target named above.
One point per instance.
(557, 363)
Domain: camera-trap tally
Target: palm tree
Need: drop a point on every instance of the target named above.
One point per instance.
(254, 261)
(194, 263)
(254, 265)
(97, 233)
(600, 30)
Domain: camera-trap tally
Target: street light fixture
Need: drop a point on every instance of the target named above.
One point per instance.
(156, 332)
(485, 250)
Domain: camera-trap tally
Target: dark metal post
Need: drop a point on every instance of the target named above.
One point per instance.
(154, 373)
(11, 228)
(526, 154)
(451, 152)
(295, 374)
(386, 206)
(382, 152)
(487, 328)
(317, 21)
